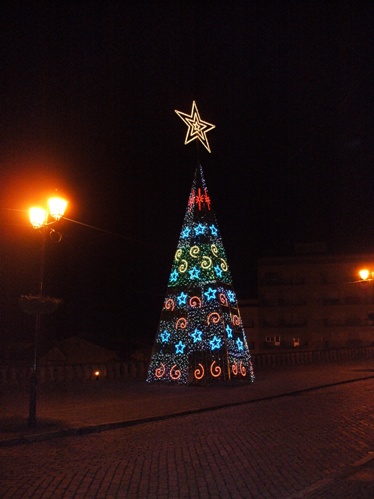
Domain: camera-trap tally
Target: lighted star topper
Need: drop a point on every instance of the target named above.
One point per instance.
(197, 128)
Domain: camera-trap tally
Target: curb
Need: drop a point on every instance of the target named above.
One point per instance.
(98, 428)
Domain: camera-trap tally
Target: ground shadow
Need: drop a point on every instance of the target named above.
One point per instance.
(17, 424)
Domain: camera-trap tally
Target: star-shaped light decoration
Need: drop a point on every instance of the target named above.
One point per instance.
(173, 276)
(196, 335)
(194, 273)
(186, 232)
(213, 230)
(239, 344)
(165, 336)
(179, 347)
(199, 229)
(229, 331)
(218, 271)
(210, 294)
(215, 343)
(231, 296)
(197, 128)
(182, 298)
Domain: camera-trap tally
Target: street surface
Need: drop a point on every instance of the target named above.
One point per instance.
(317, 443)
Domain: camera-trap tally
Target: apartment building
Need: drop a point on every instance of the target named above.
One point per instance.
(311, 301)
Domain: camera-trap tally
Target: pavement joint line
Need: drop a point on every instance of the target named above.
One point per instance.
(338, 475)
(97, 428)
(364, 460)
(312, 488)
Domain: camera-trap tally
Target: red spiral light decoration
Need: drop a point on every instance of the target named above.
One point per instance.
(215, 371)
(223, 299)
(181, 322)
(214, 317)
(169, 304)
(160, 371)
(175, 374)
(236, 320)
(195, 302)
(234, 369)
(199, 372)
(243, 370)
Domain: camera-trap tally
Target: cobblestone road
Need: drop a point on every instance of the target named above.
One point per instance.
(316, 444)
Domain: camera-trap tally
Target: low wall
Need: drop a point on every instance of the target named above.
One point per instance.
(297, 357)
(137, 370)
(21, 375)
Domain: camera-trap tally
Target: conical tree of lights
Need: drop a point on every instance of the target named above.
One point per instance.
(200, 337)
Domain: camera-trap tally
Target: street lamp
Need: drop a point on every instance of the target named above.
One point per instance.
(43, 221)
(365, 274)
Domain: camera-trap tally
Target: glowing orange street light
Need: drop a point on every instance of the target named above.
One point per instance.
(57, 207)
(364, 274)
(39, 219)
(39, 216)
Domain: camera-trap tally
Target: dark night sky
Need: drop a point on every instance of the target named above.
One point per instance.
(87, 106)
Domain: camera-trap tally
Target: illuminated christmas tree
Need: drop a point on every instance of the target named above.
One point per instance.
(200, 337)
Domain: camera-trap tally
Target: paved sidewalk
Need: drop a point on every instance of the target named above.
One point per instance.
(91, 406)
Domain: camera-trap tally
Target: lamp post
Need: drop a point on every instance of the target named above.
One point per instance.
(43, 221)
(367, 276)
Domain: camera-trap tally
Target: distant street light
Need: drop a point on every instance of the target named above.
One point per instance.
(364, 274)
(367, 276)
(42, 220)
